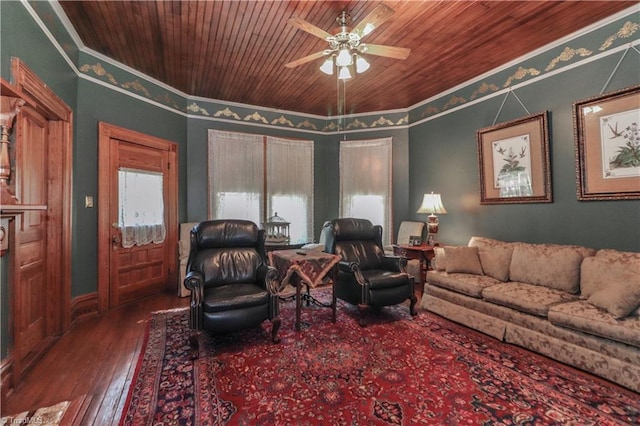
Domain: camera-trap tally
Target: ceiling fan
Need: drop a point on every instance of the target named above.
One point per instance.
(346, 45)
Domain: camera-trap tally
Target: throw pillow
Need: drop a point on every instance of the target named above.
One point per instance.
(598, 274)
(463, 260)
(439, 262)
(495, 256)
(619, 299)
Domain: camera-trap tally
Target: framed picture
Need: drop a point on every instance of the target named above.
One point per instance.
(513, 161)
(415, 240)
(607, 146)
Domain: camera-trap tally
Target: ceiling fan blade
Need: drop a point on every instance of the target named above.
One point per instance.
(387, 51)
(306, 59)
(310, 28)
(373, 20)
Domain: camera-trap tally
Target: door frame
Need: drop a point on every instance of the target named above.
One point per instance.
(59, 206)
(106, 132)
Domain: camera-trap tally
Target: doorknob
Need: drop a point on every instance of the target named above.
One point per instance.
(115, 240)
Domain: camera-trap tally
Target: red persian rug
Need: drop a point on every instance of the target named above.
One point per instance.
(396, 371)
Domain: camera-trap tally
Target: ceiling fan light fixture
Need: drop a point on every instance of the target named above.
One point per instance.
(361, 64)
(344, 58)
(344, 73)
(327, 66)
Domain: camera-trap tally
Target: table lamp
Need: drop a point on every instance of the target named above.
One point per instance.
(432, 204)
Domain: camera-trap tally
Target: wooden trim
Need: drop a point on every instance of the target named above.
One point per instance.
(104, 160)
(106, 132)
(39, 94)
(84, 306)
(59, 203)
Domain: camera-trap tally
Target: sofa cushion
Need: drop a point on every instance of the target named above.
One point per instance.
(524, 297)
(551, 265)
(495, 256)
(583, 316)
(471, 285)
(618, 298)
(621, 257)
(463, 260)
(607, 268)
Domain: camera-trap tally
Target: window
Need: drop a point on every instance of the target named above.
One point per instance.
(140, 198)
(140, 207)
(365, 182)
(253, 177)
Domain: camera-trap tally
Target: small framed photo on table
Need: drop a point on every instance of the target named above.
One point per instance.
(415, 240)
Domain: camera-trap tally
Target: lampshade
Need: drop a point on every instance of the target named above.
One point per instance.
(432, 203)
(344, 73)
(327, 66)
(361, 64)
(344, 58)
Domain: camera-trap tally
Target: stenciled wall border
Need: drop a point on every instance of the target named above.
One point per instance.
(607, 37)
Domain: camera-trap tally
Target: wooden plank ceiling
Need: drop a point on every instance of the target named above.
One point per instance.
(236, 50)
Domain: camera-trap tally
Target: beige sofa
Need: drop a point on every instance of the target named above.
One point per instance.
(573, 304)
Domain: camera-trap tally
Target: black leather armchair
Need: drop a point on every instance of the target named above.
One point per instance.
(366, 277)
(232, 287)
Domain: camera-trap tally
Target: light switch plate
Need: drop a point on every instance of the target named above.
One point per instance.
(88, 201)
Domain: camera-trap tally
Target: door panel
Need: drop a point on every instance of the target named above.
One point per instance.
(31, 248)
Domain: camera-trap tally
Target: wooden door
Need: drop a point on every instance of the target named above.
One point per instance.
(32, 282)
(142, 269)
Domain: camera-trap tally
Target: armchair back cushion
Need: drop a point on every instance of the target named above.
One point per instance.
(227, 252)
(357, 240)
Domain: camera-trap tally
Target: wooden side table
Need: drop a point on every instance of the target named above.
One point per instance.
(423, 253)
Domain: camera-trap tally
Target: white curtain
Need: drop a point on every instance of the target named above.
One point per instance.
(365, 182)
(236, 176)
(290, 185)
(141, 207)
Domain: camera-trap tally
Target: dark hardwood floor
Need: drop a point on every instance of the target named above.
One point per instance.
(93, 362)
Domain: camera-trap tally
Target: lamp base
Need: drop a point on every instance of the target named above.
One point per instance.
(432, 229)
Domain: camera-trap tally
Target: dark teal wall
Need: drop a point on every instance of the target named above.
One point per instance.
(95, 104)
(443, 158)
(23, 38)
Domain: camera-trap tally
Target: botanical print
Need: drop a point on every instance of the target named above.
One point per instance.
(620, 144)
(512, 166)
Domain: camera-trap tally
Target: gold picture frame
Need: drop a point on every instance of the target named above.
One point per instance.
(607, 146)
(513, 161)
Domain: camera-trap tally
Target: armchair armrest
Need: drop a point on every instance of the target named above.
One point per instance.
(395, 263)
(194, 281)
(267, 276)
(344, 266)
(352, 268)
